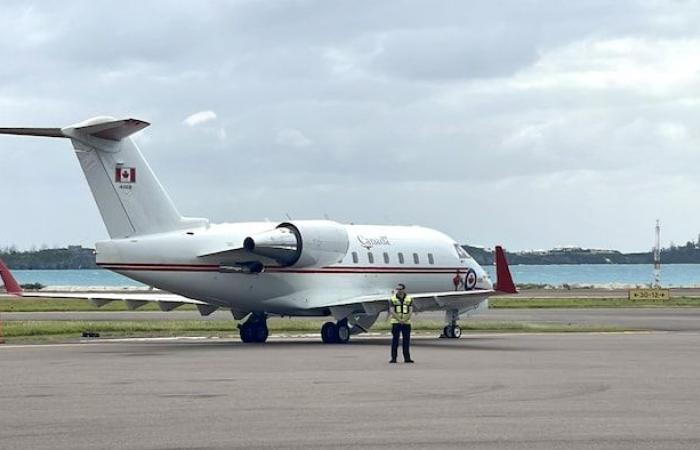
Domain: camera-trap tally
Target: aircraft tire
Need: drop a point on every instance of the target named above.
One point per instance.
(456, 332)
(260, 332)
(342, 333)
(328, 333)
(247, 334)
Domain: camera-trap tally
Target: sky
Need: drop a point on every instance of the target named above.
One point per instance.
(525, 123)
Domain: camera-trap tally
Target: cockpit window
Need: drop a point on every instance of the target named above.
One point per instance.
(461, 252)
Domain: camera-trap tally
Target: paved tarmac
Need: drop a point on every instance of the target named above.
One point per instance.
(593, 293)
(588, 391)
(656, 318)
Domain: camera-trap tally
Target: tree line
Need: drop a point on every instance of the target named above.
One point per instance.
(77, 257)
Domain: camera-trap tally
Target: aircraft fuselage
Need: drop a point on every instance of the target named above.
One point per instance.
(376, 259)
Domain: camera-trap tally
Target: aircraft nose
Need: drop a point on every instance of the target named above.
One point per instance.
(485, 280)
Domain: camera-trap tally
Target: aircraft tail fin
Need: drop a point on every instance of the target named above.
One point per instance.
(11, 285)
(129, 196)
(504, 280)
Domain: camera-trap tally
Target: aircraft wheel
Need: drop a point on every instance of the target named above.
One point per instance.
(247, 333)
(456, 332)
(328, 333)
(260, 332)
(342, 333)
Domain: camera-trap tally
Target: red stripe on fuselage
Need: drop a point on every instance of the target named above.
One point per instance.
(337, 269)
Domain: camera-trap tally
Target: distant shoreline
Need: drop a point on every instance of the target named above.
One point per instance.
(76, 257)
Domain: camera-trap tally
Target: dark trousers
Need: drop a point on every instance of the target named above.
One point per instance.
(405, 330)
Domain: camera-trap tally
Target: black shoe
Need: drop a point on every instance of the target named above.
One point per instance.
(409, 361)
(392, 361)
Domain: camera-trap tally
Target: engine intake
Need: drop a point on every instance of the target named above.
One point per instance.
(302, 243)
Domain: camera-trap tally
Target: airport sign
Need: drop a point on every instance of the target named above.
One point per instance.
(650, 294)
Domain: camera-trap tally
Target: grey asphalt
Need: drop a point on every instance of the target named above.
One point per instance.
(587, 391)
(656, 318)
(593, 293)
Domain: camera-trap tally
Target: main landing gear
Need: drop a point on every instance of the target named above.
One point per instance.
(254, 329)
(335, 332)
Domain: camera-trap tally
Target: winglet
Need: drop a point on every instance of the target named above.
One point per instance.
(504, 281)
(11, 285)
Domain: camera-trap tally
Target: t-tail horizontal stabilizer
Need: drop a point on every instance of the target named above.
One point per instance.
(11, 285)
(110, 129)
(504, 281)
(44, 132)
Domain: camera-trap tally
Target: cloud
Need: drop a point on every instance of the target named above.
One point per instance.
(290, 137)
(553, 125)
(199, 118)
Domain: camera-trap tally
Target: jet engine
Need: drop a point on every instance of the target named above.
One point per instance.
(301, 243)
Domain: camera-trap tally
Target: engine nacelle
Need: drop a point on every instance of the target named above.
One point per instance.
(302, 243)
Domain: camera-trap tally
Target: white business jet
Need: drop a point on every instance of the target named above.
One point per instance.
(258, 269)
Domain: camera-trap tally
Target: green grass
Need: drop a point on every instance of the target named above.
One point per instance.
(51, 331)
(61, 305)
(535, 303)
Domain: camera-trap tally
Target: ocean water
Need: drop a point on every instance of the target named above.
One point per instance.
(604, 275)
(608, 275)
(88, 277)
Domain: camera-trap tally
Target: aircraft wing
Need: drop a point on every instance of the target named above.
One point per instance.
(165, 301)
(428, 301)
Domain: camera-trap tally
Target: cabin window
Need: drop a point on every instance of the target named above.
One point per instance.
(354, 257)
(431, 260)
(400, 258)
(415, 259)
(370, 257)
(386, 258)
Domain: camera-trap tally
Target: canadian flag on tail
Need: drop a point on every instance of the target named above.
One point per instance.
(125, 175)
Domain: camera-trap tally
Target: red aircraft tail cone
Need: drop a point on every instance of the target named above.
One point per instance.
(504, 281)
(11, 285)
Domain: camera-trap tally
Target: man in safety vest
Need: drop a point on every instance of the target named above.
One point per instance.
(400, 310)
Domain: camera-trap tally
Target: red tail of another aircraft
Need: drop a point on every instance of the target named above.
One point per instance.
(11, 285)
(504, 281)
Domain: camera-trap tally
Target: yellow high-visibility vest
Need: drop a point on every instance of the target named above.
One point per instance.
(401, 309)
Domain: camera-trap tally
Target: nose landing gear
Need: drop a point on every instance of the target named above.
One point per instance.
(451, 330)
